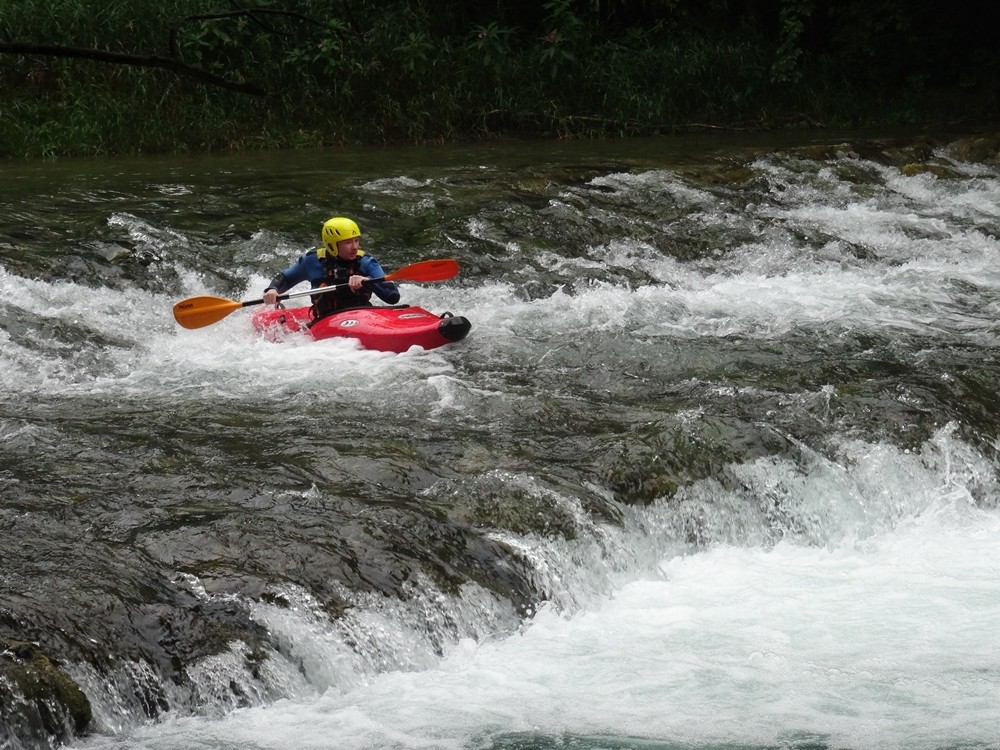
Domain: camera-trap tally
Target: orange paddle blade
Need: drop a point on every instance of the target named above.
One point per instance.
(425, 270)
(196, 312)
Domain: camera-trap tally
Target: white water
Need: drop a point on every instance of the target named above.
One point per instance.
(884, 637)
(929, 237)
(876, 627)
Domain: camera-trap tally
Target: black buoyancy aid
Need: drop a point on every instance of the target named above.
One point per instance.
(337, 271)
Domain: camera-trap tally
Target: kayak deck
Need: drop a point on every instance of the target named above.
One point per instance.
(385, 329)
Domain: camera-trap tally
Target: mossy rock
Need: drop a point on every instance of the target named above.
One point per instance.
(981, 148)
(45, 698)
(938, 170)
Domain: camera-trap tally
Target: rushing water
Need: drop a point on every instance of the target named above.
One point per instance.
(716, 467)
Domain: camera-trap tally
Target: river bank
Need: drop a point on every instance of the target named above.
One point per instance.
(174, 78)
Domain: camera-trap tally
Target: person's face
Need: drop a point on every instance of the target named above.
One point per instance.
(348, 249)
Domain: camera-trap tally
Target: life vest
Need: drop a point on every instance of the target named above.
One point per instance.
(336, 272)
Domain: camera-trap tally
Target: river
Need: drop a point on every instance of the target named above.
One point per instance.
(716, 466)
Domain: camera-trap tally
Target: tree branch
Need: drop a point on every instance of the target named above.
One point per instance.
(139, 61)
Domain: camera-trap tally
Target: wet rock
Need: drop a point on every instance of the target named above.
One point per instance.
(938, 170)
(822, 151)
(979, 148)
(719, 174)
(889, 153)
(38, 701)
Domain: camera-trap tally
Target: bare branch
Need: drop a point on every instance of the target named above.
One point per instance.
(140, 61)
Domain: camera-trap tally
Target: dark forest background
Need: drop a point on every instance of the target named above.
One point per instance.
(129, 76)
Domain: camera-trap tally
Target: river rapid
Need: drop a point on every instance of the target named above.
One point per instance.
(716, 467)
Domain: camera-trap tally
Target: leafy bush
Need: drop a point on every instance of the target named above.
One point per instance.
(385, 70)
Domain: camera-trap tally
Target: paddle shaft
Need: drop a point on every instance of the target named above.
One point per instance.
(307, 292)
(196, 312)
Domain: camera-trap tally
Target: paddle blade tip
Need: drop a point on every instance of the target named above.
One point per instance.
(197, 312)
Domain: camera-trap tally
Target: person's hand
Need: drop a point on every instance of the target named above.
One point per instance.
(355, 283)
(271, 297)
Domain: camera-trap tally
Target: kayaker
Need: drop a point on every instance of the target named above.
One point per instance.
(338, 261)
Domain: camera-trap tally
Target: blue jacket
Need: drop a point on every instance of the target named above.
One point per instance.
(319, 272)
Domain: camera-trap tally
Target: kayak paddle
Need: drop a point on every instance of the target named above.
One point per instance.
(197, 312)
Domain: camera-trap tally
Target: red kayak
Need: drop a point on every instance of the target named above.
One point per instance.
(384, 329)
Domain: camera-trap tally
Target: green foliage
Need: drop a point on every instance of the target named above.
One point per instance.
(490, 48)
(567, 33)
(792, 18)
(387, 70)
(416, 51)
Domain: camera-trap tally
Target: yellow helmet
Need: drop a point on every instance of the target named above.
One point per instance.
(336, 229)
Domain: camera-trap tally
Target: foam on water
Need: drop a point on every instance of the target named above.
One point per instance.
(880, 636)
(845, 599)
(921, 234)
(153, 355)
